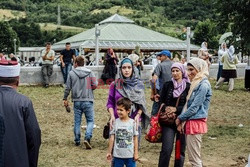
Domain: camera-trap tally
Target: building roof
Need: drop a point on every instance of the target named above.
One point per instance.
(30, 49)
(116, 19)
(120, 32)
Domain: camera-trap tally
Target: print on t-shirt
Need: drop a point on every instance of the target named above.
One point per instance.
(124, 137)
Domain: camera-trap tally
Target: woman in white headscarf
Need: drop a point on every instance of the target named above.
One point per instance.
(229, 60)
(203, 53)
(195, 112)
(222, 50)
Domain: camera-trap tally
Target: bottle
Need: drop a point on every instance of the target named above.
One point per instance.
(67, 109)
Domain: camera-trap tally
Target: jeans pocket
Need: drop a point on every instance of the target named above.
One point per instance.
(77, 105)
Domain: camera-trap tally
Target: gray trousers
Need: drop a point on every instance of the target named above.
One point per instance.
(47, 70)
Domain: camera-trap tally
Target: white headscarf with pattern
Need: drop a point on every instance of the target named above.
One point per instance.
(231, 55)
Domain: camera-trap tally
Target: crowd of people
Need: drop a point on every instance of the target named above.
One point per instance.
(183, 87)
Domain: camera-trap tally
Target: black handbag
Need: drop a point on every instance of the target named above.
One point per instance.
(105, 133)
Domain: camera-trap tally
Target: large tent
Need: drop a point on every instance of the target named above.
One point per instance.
(121, 33)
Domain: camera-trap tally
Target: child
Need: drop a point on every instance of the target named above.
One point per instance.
(123, 137)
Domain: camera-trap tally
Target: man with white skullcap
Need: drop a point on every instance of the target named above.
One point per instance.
(135, 59)
(22, 135)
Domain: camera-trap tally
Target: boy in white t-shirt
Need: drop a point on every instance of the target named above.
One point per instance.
(123, 139)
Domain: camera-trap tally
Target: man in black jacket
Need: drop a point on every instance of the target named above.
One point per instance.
(22, 137)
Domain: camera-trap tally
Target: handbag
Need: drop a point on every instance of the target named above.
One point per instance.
(105, 132)
(166, 115)
(154, 134)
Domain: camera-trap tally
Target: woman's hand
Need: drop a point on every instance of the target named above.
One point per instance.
(157, 97)
(111, 121)
(180, 129)
(177, 121)
(152, 97)
(137, 118)
(170, 109)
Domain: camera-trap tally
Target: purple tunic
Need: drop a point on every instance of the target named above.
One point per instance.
(114, 95)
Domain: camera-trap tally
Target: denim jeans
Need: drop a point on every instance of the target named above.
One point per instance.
(87, 108)
(65, 71)
(168, 135)
(154, 108)
(120, 162)
(219, 72)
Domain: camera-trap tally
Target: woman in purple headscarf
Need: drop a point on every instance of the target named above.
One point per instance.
(172, 91)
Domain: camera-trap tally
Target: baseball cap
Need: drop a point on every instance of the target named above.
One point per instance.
(165, 53)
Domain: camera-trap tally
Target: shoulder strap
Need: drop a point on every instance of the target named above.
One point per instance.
(177, 102)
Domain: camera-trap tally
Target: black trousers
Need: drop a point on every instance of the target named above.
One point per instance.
(168, 136)
(247, 79)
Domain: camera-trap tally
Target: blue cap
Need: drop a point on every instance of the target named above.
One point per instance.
(165, 53)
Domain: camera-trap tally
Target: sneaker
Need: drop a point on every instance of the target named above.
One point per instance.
(77, 143)
(87, 144)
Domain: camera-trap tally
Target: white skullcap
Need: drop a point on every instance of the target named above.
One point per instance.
(7, 69)
(134, 58)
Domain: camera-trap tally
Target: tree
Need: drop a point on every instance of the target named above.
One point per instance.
(235, 14)
(29, 33)
(206, 31)
(7, 36)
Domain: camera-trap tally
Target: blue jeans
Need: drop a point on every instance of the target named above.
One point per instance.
(219, 72)
(87, 108)
(65, 71)
(120, 162)
(155, 108)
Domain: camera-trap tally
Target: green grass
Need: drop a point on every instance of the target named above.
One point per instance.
(52, 27)
(115, 9)
(6, 14)
(227, 111)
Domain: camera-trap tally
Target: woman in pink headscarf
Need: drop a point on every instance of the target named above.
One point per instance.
(173, 91)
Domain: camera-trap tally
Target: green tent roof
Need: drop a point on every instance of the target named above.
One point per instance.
(119, 32)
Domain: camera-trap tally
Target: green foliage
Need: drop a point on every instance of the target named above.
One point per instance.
(30, 34)
(7, 36)
(206, 31)
(236, 16)
(167, 17)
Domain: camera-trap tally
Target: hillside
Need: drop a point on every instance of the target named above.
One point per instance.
(7, 14)
(54, 27)
(168, 17)
(155, 14)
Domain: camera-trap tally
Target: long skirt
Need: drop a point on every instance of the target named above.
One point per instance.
(229, 74)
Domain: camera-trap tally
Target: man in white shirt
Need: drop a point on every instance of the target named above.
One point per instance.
(48, 56)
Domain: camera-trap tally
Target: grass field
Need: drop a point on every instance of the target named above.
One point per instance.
(115, 9)
(226, 144)
(6, 14)
(52, 27)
